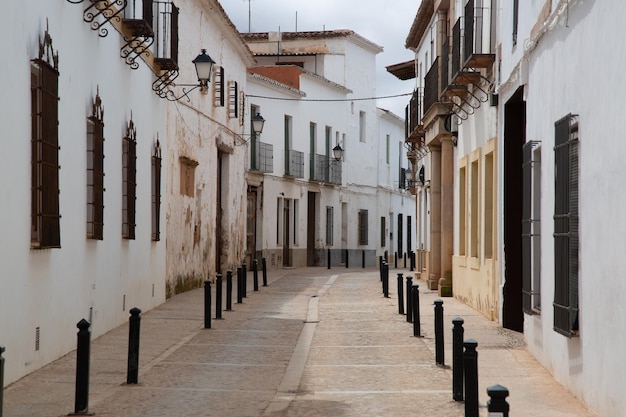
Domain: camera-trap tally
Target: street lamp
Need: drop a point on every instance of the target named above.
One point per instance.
(337, 153)
(204, 68)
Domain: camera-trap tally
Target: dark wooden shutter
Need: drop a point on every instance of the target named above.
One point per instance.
(156, 193)
(566, 226)
(174, 38)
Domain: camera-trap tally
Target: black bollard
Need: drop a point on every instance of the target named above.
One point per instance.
(409, 306)
(411, 261)
(439, 352)
(362, 259)
(132, 374)
(380, 265)
(395, 260)
(1, 378)
(415, 306)
(404, 256)
(239, 285)
(255, 274)
(229, 290)
(218, 296)
(264, 266)
(328, 257)
(457, 359)
(470, 368)
(400, 294)
(244, 284)
(207, 304)
(386, 280)
(347, 258)
(83, 346)
(497, 405)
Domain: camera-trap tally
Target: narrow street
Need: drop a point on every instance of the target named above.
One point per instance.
(316, 342)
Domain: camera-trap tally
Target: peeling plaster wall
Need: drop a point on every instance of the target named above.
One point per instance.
(199, 130)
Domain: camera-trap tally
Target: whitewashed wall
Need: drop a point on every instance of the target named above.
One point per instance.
(53, 289)
(576, 68)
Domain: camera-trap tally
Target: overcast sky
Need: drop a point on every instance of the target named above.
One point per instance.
(384, 22)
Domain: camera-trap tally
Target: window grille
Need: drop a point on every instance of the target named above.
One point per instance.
(95, 171)
(363, 227)
(156, 192)
(218, 87)
(129, 180)
(530, 229)
(233, 99)
(45, 216)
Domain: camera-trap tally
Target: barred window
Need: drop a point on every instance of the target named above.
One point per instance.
(129, 181)
(156, 192)
(45, 216)
(95, 171)
(531, 230)
(329, 225)
(566, 226)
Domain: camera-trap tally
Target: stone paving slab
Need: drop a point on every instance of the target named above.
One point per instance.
(331, 331)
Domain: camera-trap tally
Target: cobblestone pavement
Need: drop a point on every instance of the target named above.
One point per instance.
(316, 342)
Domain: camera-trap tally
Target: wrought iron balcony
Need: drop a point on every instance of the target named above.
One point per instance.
(479, 35)
(165, 46)
(294, 163)
(413, 128)
(261, 156)
(431, 86)
(325, 169)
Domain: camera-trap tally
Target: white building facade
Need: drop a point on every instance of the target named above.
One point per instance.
(310, 86)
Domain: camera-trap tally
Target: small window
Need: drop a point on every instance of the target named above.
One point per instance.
(362, 126)
(363, 227)
(129, 181)
(95, 171)
(187, 176)
(45, 216)
(233, 99)
(156, 192)
(218, 87)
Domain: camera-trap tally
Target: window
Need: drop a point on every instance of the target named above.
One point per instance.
(288, 135)
(95, 171)
(187, 176)
(363, 231)
(218, 87)
(156, 192)
(566, 226)
(329, 225)
(279, 221)
(462, 210)
(233, 99)
(45, 216)
(313, 149)
(490, 176)
(531, 239)
(383, 232)
(362, 126)
(129, 181)
(474, 208)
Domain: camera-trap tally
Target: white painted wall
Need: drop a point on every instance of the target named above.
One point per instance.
(53, 289)
(576, 68)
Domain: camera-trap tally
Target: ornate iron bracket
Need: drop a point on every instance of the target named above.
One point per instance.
(100, 12)
(161, 86)
(134, 48)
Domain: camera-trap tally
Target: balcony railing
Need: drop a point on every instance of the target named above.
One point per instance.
(456, 48)
(320, 168)
(294, 163)
(479, 36)
(138, 20)
(413, 116)
(335, 172)
(261, 156)
(445, 64)
(166, 35)
(431, 86)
